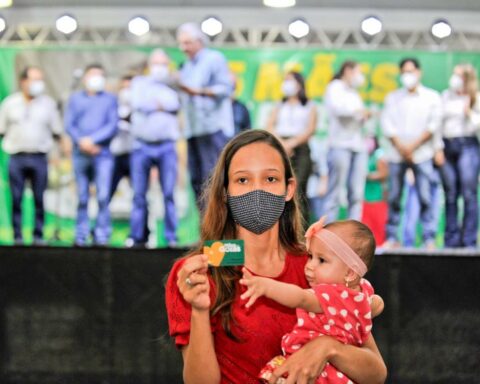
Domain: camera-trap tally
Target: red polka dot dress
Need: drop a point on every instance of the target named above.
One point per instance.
(346, 316)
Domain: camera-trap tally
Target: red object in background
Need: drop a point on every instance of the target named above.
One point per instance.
(375, 215)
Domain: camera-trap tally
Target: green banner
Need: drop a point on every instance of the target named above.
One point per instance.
(7, 73)
(259, 72)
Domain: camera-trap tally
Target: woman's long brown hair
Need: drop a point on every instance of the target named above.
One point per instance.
(470, 81)
(218, 222)
(348, 64)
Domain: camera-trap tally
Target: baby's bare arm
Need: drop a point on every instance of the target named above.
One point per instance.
(289, 295)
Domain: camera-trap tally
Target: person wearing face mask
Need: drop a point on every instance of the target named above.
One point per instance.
(347, 155)
(207, 87)
(122, 144)
(91, 120)
(411, 121)
(294, 120)
(155, 131)
(251, 196)
(29, 120)
(460, 126)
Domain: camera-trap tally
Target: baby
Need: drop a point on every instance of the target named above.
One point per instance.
(340, 302)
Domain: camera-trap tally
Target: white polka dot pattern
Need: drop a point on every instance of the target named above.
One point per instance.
(346, 317)
(359, 297)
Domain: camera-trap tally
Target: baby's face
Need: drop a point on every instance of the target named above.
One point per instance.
(323, 266)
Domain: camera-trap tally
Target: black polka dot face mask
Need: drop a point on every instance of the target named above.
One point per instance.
(256, 211)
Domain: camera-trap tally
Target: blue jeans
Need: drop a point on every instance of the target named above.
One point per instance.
(316, 207)
(32, 166)
(164, 157)
(346, 168)
(96, 169)
(412, 210)
(203, 153)
(121, 169)
(424, 175)
(460, 178)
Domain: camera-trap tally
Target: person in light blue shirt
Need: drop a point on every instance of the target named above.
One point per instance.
(206, 86)
(91, 121)
(155, 131)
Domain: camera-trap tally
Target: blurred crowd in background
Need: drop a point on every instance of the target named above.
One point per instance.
(425, 156)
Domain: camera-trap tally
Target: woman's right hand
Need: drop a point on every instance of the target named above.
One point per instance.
(193, 283)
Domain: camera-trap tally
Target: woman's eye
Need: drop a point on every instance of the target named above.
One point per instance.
(321, 260)
(242, 180)
(271, 179)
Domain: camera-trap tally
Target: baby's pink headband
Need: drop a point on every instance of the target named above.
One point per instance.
(337, 246)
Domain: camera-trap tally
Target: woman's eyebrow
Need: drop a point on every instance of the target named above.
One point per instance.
(249, 171)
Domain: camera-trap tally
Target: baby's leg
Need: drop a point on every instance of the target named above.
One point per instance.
(266, 372)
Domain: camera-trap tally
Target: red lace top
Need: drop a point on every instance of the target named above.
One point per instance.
(260, 328)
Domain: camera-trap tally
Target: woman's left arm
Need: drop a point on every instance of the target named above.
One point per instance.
(364, 365)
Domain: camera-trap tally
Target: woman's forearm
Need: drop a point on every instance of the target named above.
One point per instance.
(200, 363)
(363, 365)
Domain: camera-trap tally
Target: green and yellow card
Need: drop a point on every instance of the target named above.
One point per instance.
(223, 253)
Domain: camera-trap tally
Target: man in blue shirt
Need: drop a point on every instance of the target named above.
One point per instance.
(155, 131)
(207, 86)
(91, 120)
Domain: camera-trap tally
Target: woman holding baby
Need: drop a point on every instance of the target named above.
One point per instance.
(251, 196)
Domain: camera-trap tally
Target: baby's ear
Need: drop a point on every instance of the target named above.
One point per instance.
(351, 275)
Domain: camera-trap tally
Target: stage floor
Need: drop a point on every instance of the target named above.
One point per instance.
(97, 315)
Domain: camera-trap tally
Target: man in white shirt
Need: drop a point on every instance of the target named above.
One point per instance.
(410, 119)
(29, 120)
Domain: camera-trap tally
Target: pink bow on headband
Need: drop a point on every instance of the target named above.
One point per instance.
(343, 251)
(313, 229)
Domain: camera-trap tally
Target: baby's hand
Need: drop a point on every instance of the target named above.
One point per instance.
(256, 287)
